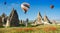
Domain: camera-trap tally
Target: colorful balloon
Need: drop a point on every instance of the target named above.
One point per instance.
(4, 3)
(25, 6)
(51, 6)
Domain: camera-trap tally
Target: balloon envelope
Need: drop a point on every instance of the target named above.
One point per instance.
(25, 6)
(51, 6)
(4, 3)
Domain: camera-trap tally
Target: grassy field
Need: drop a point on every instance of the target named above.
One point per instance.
(38, 29)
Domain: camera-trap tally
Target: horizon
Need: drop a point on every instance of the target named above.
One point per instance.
(36, 6)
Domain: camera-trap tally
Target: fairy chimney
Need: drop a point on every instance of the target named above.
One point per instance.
(7, 23)
(46, 19)
(14, 21)
(1, 24)
(39, 19)
(4, 18)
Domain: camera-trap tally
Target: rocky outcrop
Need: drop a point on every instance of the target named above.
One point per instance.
(1, 24)
(39, 19)
(7, 23)
(14, 21)
(46, 19)
(4, 19)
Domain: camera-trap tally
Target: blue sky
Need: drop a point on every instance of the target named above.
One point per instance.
(35, 7)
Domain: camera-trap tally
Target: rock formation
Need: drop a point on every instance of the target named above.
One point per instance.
(7, 23)
(39, 19)
(54, 22)
(1, 24)
(14, 21)
(4, 19)
(26, 23)
(21, 22)
(46, 19)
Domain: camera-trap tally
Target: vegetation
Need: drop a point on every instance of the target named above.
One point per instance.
(38, 29)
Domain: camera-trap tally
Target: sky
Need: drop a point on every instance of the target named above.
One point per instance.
(36, 6)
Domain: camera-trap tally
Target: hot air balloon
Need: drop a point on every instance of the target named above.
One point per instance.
(4, 3)
(25, 6)
(51, 6)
